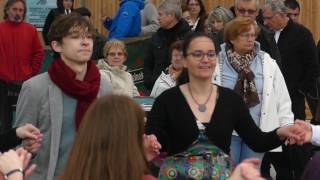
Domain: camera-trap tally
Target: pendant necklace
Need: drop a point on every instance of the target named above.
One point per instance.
(201, 107)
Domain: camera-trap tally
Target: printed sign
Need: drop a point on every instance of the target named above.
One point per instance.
(37, 11)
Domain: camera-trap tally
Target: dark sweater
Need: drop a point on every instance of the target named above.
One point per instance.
(174, 124)
(9, 140)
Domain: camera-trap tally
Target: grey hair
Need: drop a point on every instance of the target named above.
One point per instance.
(170, 7)
(220, 13)
(277, 6)
(236, 2)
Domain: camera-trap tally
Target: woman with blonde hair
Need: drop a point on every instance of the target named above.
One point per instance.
(109, 143)
(113, 67)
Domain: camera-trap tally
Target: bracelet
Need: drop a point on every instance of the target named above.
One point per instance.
(6, 176)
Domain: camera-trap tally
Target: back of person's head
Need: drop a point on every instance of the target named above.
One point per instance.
(70, 24)
(169, 7)
(237, 26)
(114, 43)
(220, 13)
(83, 11)
(292, 4)
(109, 144)
(9, 3)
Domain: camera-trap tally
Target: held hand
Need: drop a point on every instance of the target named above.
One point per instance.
(151, 146)
(293, 133)
(23, 154)
(247, 170)
(29, 131)
(307, 128)
(9, 161)
(31, 145)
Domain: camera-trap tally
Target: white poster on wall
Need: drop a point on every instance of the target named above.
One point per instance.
(37, 11)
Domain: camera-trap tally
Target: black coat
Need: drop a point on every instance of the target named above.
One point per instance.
(300, 66)
(157, 55)
(9, 140)
(52, 15)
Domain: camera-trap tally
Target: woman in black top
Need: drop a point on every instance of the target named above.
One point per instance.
(63, 7)
(176, 113)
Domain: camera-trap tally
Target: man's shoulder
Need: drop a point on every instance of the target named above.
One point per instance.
(28, 25)
(39, 81)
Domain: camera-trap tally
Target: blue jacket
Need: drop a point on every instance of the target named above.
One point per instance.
(127, 21)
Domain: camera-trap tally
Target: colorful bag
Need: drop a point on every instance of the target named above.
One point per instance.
(202, 160)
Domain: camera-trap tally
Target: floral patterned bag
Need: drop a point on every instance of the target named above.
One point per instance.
(202, 160)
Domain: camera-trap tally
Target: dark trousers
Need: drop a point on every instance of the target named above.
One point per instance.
(290, 163)
(4, 108)
(9, 92)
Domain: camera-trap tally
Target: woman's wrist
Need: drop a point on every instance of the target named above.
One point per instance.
(14, 174)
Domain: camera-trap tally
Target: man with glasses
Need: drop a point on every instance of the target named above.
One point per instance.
(300, 70)
(250, 8)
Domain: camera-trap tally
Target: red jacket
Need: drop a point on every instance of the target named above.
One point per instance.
(21, 52)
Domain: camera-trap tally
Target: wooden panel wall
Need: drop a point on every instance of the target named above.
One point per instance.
(310, 14)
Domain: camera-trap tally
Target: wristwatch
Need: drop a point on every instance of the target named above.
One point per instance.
(6, 176)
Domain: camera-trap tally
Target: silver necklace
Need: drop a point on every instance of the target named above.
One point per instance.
(201, 107)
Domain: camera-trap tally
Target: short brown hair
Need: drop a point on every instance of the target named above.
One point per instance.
(237, 26)
(177, 45)
(109, 143)
(65, 25)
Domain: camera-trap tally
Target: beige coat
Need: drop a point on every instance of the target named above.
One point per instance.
(121, 80)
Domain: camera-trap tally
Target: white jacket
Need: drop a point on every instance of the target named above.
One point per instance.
(276, 103)
(164, 82)
(121, 80)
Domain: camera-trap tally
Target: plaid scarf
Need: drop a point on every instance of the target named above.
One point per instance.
(245, 85)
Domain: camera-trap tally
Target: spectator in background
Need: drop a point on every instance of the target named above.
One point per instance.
(149, 18)
(127, 21)
(300, 69)
(110, 143)
(197, 14)
(243, 67)
(55, 101)
(63, 7)
(168, 78)
(172, 28)
(112, 66)
(21, 55)
(218, 17)
(293, 11)
(186, 15)
(250, 8)
(99, 40)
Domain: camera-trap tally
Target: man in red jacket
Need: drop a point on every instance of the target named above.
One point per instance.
(21, 53)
